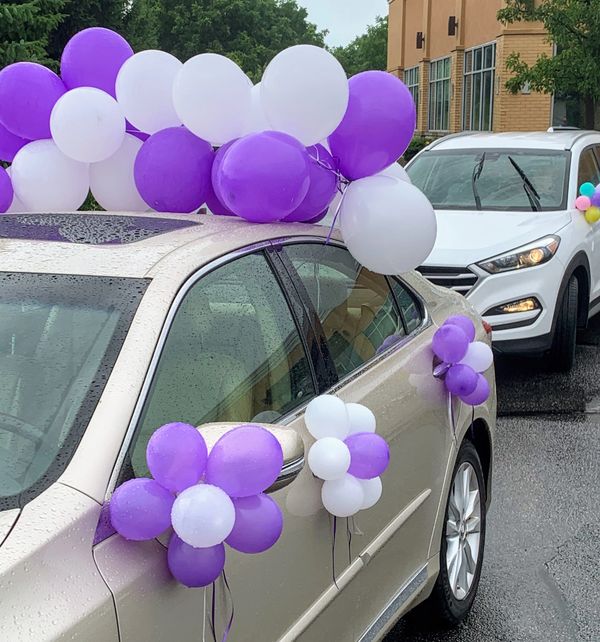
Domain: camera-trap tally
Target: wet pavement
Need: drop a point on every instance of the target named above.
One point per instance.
(541, 573)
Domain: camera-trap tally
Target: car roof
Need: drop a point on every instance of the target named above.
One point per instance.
(558, 139)
(128, 244)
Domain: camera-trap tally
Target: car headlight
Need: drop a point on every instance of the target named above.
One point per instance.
(530, 255)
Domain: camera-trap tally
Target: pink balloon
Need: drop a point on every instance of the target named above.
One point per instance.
(583, 203)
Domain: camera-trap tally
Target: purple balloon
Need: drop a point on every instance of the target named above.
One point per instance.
(245, 461)
(6, 191)
(323, 186)
(172, 171)
(140, 509)
(134, 131)
(176, 455)
(213, 202)
(596, 198)
(464, 323)
(9, 144)
(195, 567)
(216, 168)
(28, 93)
(93, 58)
(258, 524)
(318, 218)
(481, 393)
(263, 177)
(369, 453)
(378, 125)
(450, 343)
(461, 380)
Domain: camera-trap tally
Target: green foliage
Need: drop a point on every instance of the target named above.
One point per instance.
(25, 28)
(366, 52)
(416, 145)
(141, 25)
(574, 27)
(251, 32)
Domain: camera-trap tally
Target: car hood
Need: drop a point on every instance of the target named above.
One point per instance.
(7, 521)
(466, 237)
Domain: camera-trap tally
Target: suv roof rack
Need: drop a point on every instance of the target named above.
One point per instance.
(437, 141)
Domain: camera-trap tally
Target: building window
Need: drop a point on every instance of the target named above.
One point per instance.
(439, 95)
(411, 80)
(478, 97)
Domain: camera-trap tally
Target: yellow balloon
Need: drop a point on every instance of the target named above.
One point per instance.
(592, 215)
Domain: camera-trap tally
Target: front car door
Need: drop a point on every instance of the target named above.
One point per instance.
(236, 350)
(379, 339)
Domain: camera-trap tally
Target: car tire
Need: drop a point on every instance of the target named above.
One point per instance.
(562, 353)
(456, 586)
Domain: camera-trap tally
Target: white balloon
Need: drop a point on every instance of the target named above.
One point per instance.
(343, 497)
(113, 183)
(16, 207)
(361, 418)
(397, 171)
(256, 120)
(329, 458)
(87, 125)
(305, 93)
(212, 98)
(326, 416)
(144, 90)
(203, 515)
(479, 356)
(45, 180)
(387, 224)
(373, 489)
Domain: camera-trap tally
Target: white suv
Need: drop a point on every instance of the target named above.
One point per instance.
(509, 236)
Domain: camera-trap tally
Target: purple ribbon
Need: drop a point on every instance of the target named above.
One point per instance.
(213, 610)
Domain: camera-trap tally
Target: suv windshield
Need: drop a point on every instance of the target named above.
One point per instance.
(59, 338)
(488, 179)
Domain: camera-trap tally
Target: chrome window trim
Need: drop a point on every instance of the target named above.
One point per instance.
(186, 286)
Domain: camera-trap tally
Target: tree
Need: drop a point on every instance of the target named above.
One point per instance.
(251, 32)
(25, 27)
(141, 25)
(573, 26)
(365, 52)
(81, 14)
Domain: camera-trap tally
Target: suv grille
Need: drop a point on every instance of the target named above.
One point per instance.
(461, 280)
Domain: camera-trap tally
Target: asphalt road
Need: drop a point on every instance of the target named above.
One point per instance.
(541, 573)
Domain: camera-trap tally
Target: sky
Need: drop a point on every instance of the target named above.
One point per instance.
(345, 19)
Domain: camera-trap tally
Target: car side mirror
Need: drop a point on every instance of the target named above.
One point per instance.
(290, 441)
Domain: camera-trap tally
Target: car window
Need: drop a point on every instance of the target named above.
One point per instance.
(60, 336)
(233, 353)
(588, 168)
(447, 178)
(409, 307)
(355, 306)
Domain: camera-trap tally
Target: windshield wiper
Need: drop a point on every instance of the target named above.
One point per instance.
(532, 194)
(476, 174)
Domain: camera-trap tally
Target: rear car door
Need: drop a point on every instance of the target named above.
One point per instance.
(237, 350)
(589, 172)
(378, 336)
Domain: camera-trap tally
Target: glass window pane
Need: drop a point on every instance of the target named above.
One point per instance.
(233, 354)
(468, 61)
(478, 59)
(476, 102)
(488, 81)
(467, 96)
(447, 68)
(588, 169)
(355, 306)
(411, 311)
(489, 57)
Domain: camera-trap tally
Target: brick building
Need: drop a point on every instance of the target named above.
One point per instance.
(452, 55)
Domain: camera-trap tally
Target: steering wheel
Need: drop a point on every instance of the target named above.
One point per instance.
(17, 426)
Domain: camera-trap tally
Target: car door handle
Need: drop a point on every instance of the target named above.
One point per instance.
(290, 441)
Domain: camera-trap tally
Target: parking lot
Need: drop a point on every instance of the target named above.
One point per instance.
(541, 575)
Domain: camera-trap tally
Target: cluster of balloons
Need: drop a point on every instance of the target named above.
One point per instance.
(588, 202)
(464, 360)
(207, 499)
(146, 131)
(348, 456)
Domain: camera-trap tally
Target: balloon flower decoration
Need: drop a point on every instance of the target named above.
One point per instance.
(146, 131)
(208, 500)
(347, 455)
(464, 360)
(588, 202)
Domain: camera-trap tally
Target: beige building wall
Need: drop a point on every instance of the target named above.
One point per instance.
(477, 25)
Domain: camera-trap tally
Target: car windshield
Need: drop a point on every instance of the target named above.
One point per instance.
(59, 338)
(506, 180)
